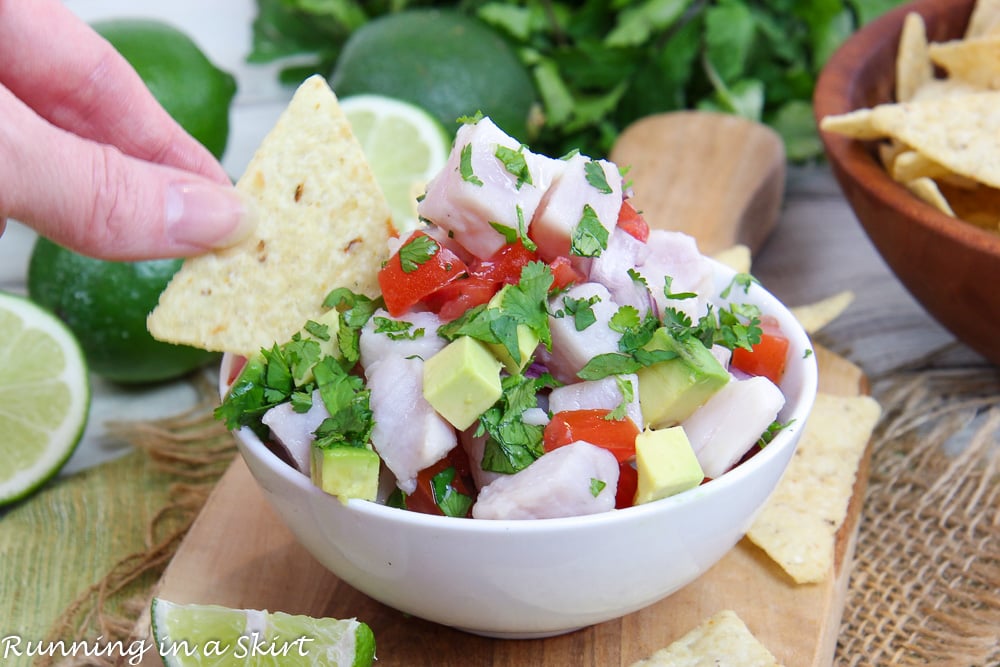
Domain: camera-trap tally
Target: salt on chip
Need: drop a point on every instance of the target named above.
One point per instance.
(974, 61)
(323, 223)
(797, 527)
(928, 190)
(816, 315)
(723, 640)
(913, 64)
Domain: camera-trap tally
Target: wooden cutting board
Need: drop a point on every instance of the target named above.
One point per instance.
(716, 177)
(239, 554)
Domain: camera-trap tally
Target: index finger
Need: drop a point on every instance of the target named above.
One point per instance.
(75, 79)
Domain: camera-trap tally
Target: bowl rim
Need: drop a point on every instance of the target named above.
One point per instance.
(832, 96)
(786, 438)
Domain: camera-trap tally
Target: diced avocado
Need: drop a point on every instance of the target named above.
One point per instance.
(527, 341)
(666, 464)
(327, 346)
(346, 472)
(671, 390)
(462, 381)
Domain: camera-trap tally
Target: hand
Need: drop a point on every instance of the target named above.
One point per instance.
(89, 158)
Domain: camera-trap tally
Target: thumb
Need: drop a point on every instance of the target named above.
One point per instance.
(100, 202)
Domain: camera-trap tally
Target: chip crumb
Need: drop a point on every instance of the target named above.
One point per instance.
(722, 640)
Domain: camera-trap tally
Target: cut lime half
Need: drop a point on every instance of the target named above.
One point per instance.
(195, 634)
(44, 396)
(405, 147)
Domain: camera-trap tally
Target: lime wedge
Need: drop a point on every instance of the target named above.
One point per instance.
(44, 396)
(405, 147)
(196, 634)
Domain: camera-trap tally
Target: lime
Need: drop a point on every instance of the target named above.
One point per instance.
(405, 147)
(450, 64)
(105, 304)
(44, 396)
(214, 635)
(195, 92)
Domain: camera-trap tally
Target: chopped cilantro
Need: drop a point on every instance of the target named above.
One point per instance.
(741, 280)
(514, 162)
(465, 166)
(347, 400)
(416, 252)
(355, 311)
(635, 331)
(470, 120)
(512, 445)
(773, 429)
(590, 237)
(397, 329)
(511, 235)
(451, 501)
(596, 486)
(317, 330)
(628, 395)
(582, 311)
(679, 296)
(596, 177)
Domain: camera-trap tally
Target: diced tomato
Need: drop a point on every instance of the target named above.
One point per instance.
(422, 499)
(485, 278)
(505, 265)
(767, 357)
(628, 482)
(631, 221)
(563, 274)
(433, 269)
(593, 426)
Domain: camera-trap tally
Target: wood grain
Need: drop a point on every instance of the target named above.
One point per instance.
(238, 553)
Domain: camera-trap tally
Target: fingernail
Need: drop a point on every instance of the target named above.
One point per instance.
(206, 215)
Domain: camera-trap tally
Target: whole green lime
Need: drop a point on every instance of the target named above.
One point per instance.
(195, 92)
(450, 64)
(105, 304)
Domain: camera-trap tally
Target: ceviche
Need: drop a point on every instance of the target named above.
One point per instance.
(536, 351)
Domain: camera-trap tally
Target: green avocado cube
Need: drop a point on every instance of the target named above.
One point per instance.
(462, 381)
(527, 341)
(671, 390)
(346, 472)
(666, 464)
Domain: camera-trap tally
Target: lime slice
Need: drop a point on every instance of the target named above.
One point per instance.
(196, 634)
(405, 147)
(44, 396)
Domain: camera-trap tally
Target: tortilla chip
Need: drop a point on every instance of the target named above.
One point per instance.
(974, 61)
(815, 316)
(855, 124)
(927, 190)
(720, 641)
(985, 19)
(938, 88)
(913, 64)
(798, 525)
(324, 223)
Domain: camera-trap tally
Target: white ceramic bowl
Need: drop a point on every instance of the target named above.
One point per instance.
(527, 579)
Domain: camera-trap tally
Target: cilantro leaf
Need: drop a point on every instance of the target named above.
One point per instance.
(512, 445)
(596, 177)
(465, 166)
(628, 395)
(581, 310)
(596, 486)
(590, 237)
(416, 252)
(397, 329)
(515, 164)
(451, 501)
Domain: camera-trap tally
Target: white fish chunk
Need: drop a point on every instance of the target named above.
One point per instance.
(467, 208)
(572, 349)
(376, 346)
(563, 206)
(295, 431)
(730, 422)
(676, 255)
(408, 434)
(574, 480)
(611, 269)
(603, 394)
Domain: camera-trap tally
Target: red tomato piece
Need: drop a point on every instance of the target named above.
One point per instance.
(422, 499)
(767, 357)
(593, 426)
(631, 221)
(485, 278)
(505, 265)
(628, 482)
(563, 274)
(419, 268)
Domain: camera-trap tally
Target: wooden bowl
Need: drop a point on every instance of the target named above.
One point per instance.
(951, 267)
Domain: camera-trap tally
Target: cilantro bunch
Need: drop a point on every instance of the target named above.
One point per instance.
(598, 65)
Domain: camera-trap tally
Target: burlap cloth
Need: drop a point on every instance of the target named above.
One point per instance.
(925, 588)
